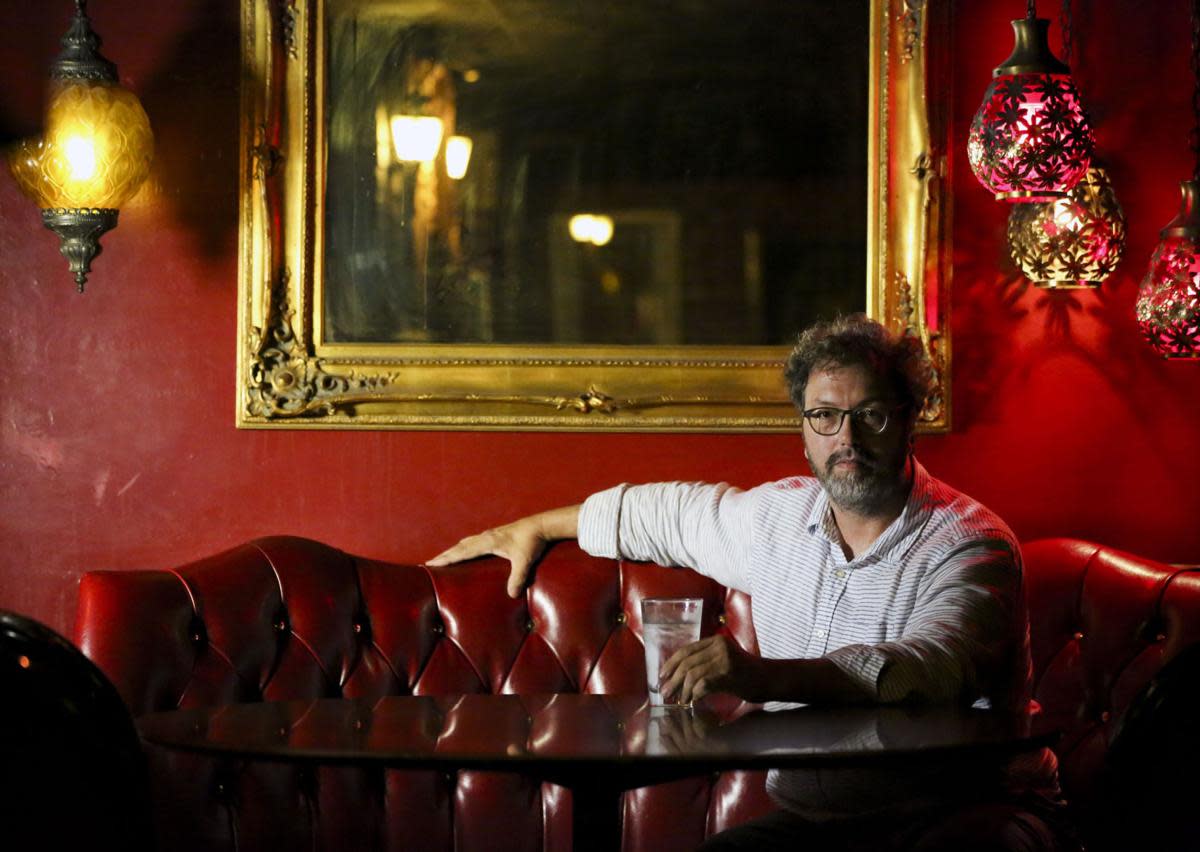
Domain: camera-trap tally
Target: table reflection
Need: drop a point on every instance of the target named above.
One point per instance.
(488, 730)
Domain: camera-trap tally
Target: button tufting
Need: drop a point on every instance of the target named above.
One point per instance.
(1161, 637)
(529, 625)
(281, 626)
(721, 619)
(197, 631)
(438, 629)
(1105, 716)
(358, 627)
(621, 618)
(1078, 635)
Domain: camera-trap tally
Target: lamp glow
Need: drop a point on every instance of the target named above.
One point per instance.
(81, 155)
(602, 230)
(458, 156)
(591, 228)
(580, 227)
(416, 138)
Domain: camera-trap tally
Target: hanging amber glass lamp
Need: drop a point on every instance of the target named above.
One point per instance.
(1030, 139)
(94, 152)
(1168, 303)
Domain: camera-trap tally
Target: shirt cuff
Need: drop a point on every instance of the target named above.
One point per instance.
(600, 523)
(863, 664)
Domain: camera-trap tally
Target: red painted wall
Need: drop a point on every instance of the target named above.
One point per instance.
(117, 446)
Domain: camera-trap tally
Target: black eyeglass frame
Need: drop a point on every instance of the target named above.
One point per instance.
(855, 415)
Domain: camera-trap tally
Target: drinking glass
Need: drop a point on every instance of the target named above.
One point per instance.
(667, 625)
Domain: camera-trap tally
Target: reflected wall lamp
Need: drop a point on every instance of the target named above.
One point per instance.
(94, 152)
(1168, 303)
(416, 138)
(1030, 139)
(594, 228)
(458, 156)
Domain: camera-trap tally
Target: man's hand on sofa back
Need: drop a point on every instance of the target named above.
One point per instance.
(522, 543)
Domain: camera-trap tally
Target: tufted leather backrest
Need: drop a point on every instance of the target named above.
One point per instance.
(285, 618)
(1102, 624)
(288, 618)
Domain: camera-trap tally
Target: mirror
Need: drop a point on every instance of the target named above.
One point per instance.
(525, 214)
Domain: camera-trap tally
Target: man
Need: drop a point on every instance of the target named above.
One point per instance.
(873, 582)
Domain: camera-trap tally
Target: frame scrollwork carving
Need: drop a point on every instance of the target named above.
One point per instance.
(289, 376)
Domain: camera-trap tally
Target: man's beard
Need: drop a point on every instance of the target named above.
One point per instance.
(867, 490)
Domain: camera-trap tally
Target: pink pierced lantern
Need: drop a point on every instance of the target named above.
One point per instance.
(1030, 140)
(1168, 303)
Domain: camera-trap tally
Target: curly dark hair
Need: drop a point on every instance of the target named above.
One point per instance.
(858, 340)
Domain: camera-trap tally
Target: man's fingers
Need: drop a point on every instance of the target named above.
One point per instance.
(685, 661)
(516, 578)
(668, 668)
(467, 548)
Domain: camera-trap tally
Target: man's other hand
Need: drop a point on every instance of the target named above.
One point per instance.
(714, 664)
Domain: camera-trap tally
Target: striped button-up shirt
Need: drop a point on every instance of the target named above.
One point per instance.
(934, 609)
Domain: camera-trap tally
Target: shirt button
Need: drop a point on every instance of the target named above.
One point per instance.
(820, 634)
(839, 574)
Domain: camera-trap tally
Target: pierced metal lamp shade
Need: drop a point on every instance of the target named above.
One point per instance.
(1168, 303)
(94, 153)
(1030, 139)
(1072, 242)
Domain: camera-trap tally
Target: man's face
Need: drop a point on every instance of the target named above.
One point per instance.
(862, 471)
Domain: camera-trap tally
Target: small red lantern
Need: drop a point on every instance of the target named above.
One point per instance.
(1168, 303)
(1030, 140)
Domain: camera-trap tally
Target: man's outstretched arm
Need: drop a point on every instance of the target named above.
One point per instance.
(522, 542)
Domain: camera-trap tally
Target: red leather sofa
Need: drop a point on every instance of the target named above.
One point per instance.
(289, 618)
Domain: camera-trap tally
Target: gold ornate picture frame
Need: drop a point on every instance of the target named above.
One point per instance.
(289, 377)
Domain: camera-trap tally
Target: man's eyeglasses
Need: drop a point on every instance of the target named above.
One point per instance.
(828, 421)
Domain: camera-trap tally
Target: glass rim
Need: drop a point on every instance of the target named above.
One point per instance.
(672, 600)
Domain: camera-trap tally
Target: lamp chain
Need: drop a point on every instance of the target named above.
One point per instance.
(1031, 9)
(1066, 24)
(1195, 135)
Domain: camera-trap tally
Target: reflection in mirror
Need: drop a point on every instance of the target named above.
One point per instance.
(538, 171)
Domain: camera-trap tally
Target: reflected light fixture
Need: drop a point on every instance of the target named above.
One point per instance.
(1168, 302)
(94, 152)
(591, 228)
(458, 156)
(1030, 139)
(416, 138)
